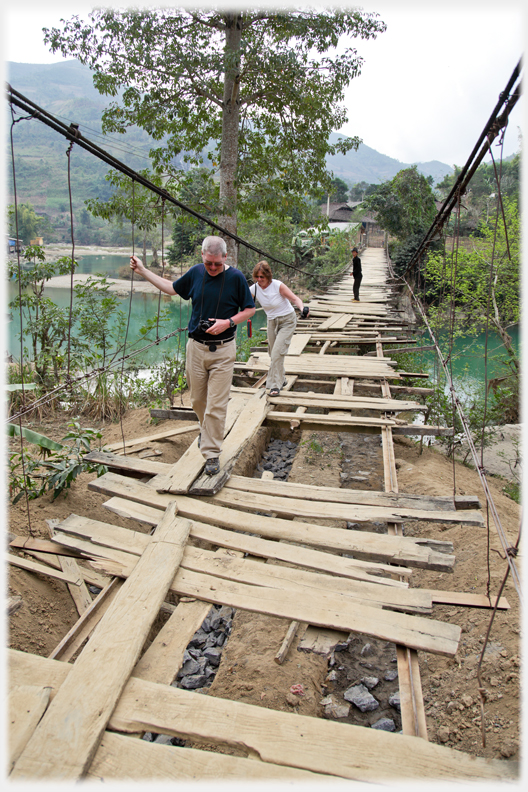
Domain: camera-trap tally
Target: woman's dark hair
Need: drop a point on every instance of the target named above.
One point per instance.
(264, 268)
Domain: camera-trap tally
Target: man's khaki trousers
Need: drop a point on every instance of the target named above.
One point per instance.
(209, 377)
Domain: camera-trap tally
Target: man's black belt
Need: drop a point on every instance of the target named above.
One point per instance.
(215, 341)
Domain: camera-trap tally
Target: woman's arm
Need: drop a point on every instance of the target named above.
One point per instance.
(285, 292)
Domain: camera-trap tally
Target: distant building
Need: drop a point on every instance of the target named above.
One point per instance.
(36, 241)
(12, 246)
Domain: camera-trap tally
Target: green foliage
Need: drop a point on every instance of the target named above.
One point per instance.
(327, 262)
(260, 91)
(484, 279)
(29, 223)
(244, 348)
(55, 466)
(405, 205)
(166, 381)
(362, 190)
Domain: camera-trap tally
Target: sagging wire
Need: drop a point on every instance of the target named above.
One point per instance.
(511, 552)
(51, 395)
(75, 129)
(133, 221)
(17, 248)
(465, 425)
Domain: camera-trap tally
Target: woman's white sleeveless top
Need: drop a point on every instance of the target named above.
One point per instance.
(272, 300)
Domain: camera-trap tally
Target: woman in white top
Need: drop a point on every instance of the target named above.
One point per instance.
(276, 299)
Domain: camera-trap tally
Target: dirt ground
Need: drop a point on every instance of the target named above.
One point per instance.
(248, 671)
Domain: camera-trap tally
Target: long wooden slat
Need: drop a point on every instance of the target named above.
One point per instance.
(288, 489)
(264, 548)
(62, 748)
(102, 540)
(241, 434)
(119, 758)
(406, 551)
(32, 566)
(295, 507)
(26, 706)
(283, 738)
(135, 441)
(191, 463)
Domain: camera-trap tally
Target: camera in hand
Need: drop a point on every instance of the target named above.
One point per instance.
(304, 312)
(205, 324)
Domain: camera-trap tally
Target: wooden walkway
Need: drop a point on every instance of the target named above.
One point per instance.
(82, 719)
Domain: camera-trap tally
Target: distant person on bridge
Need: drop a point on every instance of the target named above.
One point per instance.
(276, 299)
(356, 274)
(220, 301)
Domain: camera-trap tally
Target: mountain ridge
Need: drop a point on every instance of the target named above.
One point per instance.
(66, 89)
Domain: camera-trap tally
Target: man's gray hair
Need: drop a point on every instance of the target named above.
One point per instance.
(214, 245)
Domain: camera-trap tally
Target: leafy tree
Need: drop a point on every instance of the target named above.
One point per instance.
(405, 205)
(132, 203)
(259, 90)
(338, 190)
(29, 223)
(485, 280)
(362, 190)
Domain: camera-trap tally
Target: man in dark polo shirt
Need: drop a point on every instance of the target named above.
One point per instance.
(220, 300)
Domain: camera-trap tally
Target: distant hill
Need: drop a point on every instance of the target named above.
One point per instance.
(368, 165)
(66, 90)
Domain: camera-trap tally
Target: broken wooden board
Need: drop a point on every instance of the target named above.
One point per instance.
(242, 432)
(61, 748)
(184, 472)
(295, 507)
(298, 343)
(406, 551)
(135, 441)
(287, 489)
(120, 758)
(264, 548)
(96, 539)
(287, 739)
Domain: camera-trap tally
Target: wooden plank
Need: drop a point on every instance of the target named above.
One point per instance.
(80, 594)
(241, 434)
(165, 435)
(283, 738)
(346, 614)
(287, 642)
(57, 748)
(164, 657)
(295, 507)
(307, 557)
(345, 402)
(191, 463)
(102, 540)
(32, 566)
(26, 706)
(86, 624)
(405, 551)
(310, 492)
(130, 464)
(411, 699)
(119, 758)
(298, 343)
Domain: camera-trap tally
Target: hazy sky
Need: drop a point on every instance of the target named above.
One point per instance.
(428, 84)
